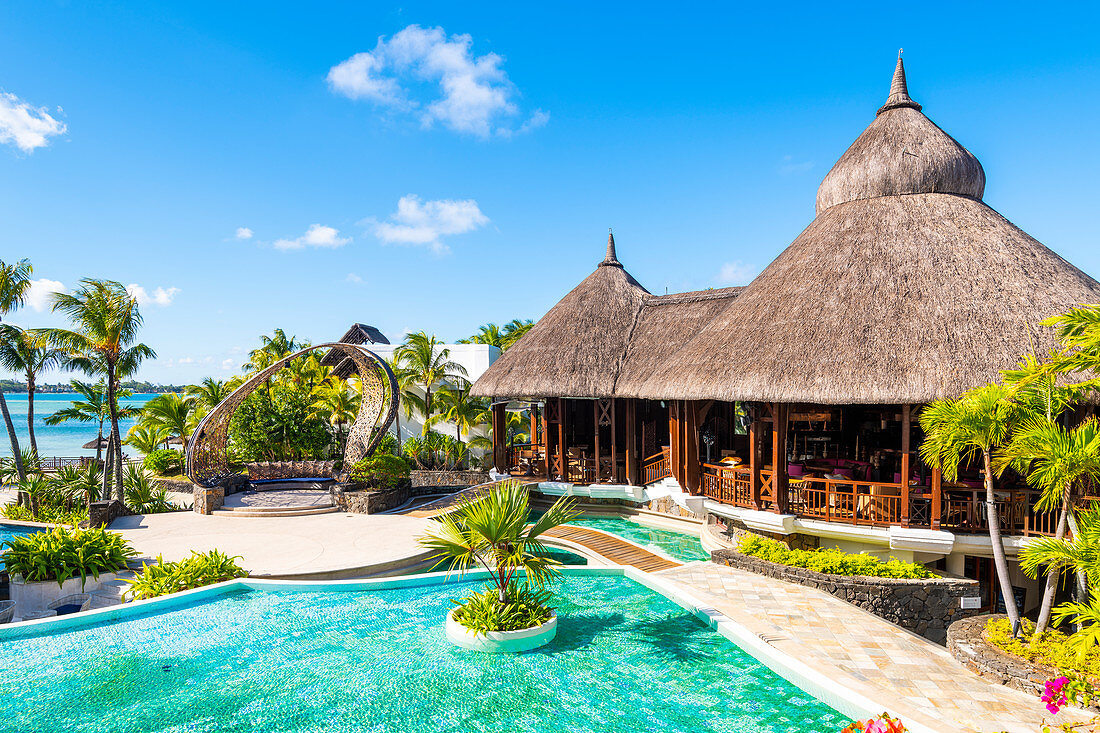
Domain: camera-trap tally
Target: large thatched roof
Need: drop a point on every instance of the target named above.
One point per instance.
(576, 348)
(905, 288)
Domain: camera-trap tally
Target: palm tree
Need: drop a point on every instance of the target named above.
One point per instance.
(514, 331)
(458, 408)
(93, 409)
(272, 348)
(336, 404)
(172, 412)
(106, 321)
(493, 531)
(1055, 460)
(957, 431)
(147, 437)
(489, 334)
(209, 393)
(15, 280)
(426, 363)
(19, 352)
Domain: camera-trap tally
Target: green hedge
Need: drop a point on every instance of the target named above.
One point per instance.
(831, 562)
(381, 471)
(61, 553)
(163, 461)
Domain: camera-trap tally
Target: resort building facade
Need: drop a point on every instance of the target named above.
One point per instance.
(788, 407)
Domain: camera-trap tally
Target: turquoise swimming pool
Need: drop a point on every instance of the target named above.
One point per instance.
(11, 531)
(680, 545)
(625, 658)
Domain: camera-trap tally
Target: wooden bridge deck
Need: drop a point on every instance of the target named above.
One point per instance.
(613, 548)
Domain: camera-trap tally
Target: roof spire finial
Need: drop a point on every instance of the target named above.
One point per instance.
(899, 90)
(610, 259)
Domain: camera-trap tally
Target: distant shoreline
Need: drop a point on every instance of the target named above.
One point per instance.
(140, 388)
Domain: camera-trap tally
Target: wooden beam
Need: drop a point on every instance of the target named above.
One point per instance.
(500, 438)
(780, 482)
(906, 429)
(563, 442)
(756, 443)
(691, 447)
(675, 434)
(633, 464)
(937, 497)
(615, 477)
(546, 441)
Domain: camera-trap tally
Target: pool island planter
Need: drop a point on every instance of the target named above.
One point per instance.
(34, 598)
(501, 642)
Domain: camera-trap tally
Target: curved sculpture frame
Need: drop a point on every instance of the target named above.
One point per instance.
(207, 462)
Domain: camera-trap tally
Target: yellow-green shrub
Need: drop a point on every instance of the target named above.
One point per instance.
(832, 562)
(1051, 648)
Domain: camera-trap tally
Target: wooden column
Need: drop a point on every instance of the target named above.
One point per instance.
(563, 441)
(500, 438)
(633, 464)
(615, 477)
(779, 457)
(937, 497)
(596, 438)
(674, 436)
(546, 439)
(755, 457)
(905, 431)
(690, 446)
(533, 413)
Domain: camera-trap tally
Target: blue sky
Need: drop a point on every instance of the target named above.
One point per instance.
(438, 166)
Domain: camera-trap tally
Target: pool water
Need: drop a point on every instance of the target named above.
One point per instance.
(625, 658)
(11, 531)
(679, 545)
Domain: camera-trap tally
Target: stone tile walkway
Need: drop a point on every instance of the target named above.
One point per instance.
(279, 499)
(883, 661)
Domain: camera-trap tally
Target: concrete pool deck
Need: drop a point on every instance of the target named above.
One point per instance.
(315, 547)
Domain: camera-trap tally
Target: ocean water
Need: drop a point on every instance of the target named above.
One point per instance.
(65, 439)
(625, 659)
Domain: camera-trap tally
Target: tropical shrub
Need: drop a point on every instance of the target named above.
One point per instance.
(525, 608)
(492, 531)
(278, 424)
(389, 444)
(143, 494)
(46, 513)
(202, 568)
(164, 461)
(1052, 648)
(381, 471)
(831, 562)
(60, 553)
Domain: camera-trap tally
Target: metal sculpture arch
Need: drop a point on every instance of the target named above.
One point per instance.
(207, 461)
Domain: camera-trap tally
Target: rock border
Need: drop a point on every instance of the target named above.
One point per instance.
(967, 643)
(924, 606)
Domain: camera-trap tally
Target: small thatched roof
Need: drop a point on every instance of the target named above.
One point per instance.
(665, 324)
(906, 287)
(95, 443)
(576, 348)
(359, 333)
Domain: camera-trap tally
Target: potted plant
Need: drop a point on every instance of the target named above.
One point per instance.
(492, 531)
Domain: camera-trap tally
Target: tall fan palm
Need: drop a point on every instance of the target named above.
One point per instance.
(427, 363)
(1055, 460)
(209, 393)
(957, 431)
(15, 280)
(92, 409)
(105, 321)
(173, 412)
(20, 352)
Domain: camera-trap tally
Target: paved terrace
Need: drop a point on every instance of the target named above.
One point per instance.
(917, 678)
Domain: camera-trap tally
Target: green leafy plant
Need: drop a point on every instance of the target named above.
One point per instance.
(143, 494)
(163, 461)
(381, 470)
(831, 562)
(1053, 647)
(492, 531)
(525, 608)
(60, 553)
(201, 568)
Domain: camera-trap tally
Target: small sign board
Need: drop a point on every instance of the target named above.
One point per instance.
(970, 602)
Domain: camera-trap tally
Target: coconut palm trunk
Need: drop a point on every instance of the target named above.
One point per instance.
(1000, 561)
(1054, 573)
(105, 491)
(30, 413)
(16, 456)
(116, 439)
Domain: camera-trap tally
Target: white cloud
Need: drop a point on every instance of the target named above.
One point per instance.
(25, 126)
(160, 296)
(788, 165)
(39, 292)
(425, 223)
(353, 278)
(437, 78)
(317, 235)
(228, 364)
(736, 273)
(243, 233)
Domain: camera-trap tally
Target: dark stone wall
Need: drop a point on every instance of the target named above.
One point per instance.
(361, 499)
(102, 513)
(966, 642)
(444, 482)
(926, 607)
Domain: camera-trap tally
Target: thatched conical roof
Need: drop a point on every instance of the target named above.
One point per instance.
(905, 288)
(575, 350)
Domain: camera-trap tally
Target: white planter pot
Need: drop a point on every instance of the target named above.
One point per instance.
(501, 641)
(33, 599)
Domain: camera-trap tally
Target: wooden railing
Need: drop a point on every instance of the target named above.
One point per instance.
(655, 468)
(728, 485)
(846, 500)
